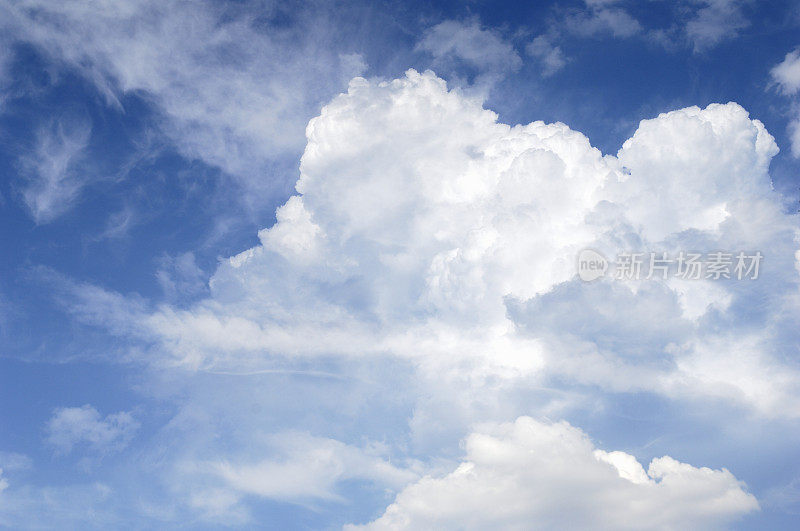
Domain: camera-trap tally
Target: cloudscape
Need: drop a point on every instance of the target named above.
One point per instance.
(399, 265)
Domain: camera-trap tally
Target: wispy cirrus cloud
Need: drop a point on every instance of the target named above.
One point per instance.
(53, 170)
(233, 89)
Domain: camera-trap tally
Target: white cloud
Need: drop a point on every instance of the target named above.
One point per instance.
(180, 276)
(31, 507)
(14, 461)
(596, 19)
(602, 17)
(425, 230)
(785, 498)
(552, 57)
(699, 24)
(787, 76)
(699, 191)
(53, 171)
(532, 474)
(73, 426)
(307, 468)
(6, 60)
(715, 21)
(787, 73)
(484, 50)
(118, 224)
(233, 92)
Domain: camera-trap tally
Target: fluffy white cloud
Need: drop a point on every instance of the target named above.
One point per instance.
(73, 426)
(54, 177)
(532, 474)
(421, 221)
(426, 233)
(426, 230)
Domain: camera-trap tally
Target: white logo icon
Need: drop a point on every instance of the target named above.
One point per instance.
(591, 265)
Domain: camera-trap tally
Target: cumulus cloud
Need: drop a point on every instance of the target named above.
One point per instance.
(54, 176)
(425, 232)
(425, 229)
(73, 426)
(532, 474)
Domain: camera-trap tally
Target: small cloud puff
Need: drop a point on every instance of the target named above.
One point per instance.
(73, 426)
(466, 45)
(552, 57)
(786, 75)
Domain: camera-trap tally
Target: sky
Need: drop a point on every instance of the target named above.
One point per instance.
(315, 265)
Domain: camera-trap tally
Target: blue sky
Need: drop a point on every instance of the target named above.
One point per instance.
(311, 265)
